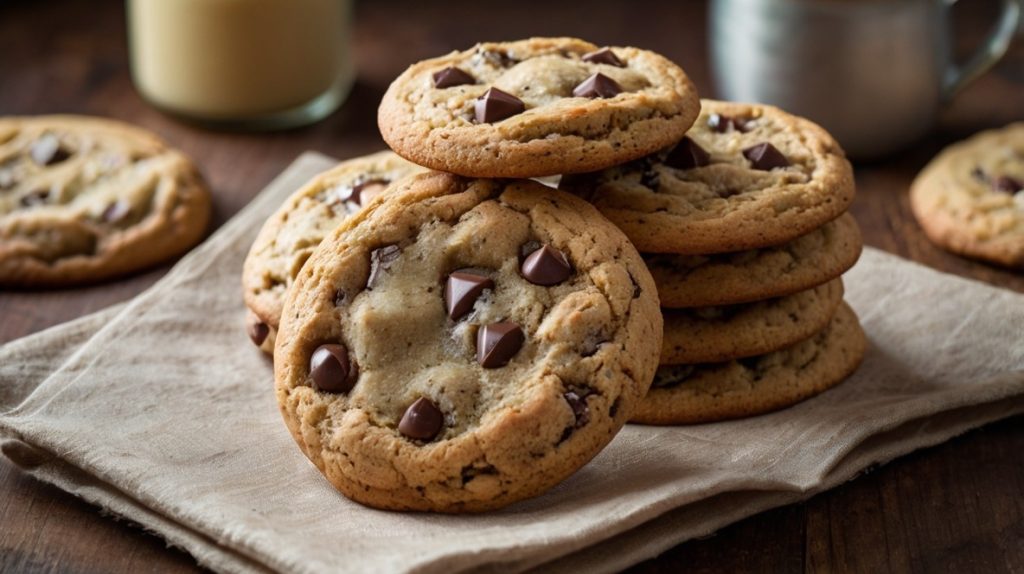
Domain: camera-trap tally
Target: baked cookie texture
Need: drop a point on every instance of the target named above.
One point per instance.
(970, 198)
(690, 394)
(84, 199)
(412, 390)
(756, 274)
(721, 333)
(745, 176)
(292, 233)
(549, 115)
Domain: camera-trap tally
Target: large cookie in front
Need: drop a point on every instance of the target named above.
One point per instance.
(756, 274)
(536, 107)
(465, 344)
(970, 198)
(721, 333)
(746, 176)
(84, 199)
(690, 394)
(290, 235)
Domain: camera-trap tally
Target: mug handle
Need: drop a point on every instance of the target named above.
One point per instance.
(991, 50)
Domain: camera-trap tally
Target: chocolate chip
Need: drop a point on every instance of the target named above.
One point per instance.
(765, 157)
(687, 155)
(452, 76)
(597, 86)
(577, 399)
(331, 370)
(1007, 184)
(496, 105)
(603, 56)
(47, 150)
(34, 198)
(362, 193)
(117, 211)
(422, 420)
(380, 261)
(462, 290)
(258, 331)
(979, 174)
(546, 266)
(497, 343)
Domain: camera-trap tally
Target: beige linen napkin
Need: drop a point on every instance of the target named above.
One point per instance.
(161, 410)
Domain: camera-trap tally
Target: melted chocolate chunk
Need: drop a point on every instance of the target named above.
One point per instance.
(597, 86)
(765, 157)
(34, 198)
(258, 331)
(380, 261)
(47, 150)
(672, 375)
(362, 193)
(603, 56)
(687, 155)
(650, 179)
(721, 123)
(496, 105)
(340, 296)
(498, 58)
(331, 370)
(422, 420)
(497, 343)
(1007, 184)
(577, 399)
(462, 290)
(452, 76)
(117, 211)
(546, 266)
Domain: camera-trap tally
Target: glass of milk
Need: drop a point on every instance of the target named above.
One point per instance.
(242, 64)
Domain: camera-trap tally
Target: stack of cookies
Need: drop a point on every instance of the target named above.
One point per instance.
(743, 225)
(450, 335)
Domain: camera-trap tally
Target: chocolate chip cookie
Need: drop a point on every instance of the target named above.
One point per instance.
(84, 199)
(720, 333)
(729, 278)
(746, 176)
(536, 107)
(291, 234)
(688, 394)
(465, 344)
(970, 198)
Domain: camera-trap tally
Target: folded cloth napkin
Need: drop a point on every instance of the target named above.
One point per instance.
(162, 411)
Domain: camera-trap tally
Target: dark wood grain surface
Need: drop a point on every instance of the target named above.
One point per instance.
(958, 507)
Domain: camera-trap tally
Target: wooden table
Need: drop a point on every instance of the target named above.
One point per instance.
(955, 507)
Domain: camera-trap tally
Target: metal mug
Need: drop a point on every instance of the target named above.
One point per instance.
(873, 72)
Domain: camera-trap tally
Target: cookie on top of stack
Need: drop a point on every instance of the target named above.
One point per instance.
(456, 343)
(743, 225)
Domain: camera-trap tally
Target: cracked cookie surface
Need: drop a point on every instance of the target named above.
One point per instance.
(464, 344)
(292, 233)
(691, 394)
(970, 198)
(84, 199)
(740, 277)
(721, 333)
(745, 176)
(561, 105)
